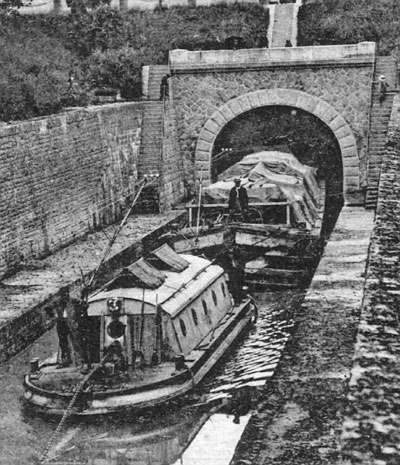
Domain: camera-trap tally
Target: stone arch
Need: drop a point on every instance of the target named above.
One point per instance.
(285, 97)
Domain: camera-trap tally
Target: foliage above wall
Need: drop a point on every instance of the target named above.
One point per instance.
(351, 21)
(50, 62)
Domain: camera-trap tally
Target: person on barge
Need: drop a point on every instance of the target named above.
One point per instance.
(238, 201)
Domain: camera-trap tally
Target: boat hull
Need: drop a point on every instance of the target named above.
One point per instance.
(198, 364)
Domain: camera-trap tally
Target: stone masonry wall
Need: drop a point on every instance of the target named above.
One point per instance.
(197, 96)
(371, 433)
(172, 177)
(62, 176)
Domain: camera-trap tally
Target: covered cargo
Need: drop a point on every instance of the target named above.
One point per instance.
(271, 176)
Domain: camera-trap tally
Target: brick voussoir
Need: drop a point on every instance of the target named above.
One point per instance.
(227, 113)
(235, 107)
(343, 132)
(350, 152)
(208, 136)
(219, 119)
(212, 127)
(204, 146)
(334, 120)
(291, 96)
(202, 155)
(346, 142)
(311, 104)
(302, 101)
(321, 109)
(266, 97)
(350, 161)
(203, 167)
(351, 183)
(244, 103)
(254, 99)
(352, 171)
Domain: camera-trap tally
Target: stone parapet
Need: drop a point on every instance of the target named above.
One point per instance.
(259, 58)
(371, 430)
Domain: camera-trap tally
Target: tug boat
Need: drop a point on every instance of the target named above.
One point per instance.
(154, 332)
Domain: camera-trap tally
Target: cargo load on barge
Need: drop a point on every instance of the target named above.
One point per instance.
(280, 237)
(148, 336)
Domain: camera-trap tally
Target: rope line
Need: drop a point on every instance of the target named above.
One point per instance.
(77, 390)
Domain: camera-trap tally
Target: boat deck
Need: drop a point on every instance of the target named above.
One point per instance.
(50, 379)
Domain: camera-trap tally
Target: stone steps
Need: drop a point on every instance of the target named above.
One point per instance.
(282, 27)
(150, 153)
(156, 73)
(379, 120)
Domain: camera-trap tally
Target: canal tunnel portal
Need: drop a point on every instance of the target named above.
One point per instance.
(211, 89)
(285, 129)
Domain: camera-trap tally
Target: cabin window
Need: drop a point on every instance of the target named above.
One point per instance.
(223, 289)
(116, 329)
(183, 326)
(206, 312)
(214, 296)
(194, 316)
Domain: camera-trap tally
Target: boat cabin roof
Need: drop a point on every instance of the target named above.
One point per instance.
(167, 279)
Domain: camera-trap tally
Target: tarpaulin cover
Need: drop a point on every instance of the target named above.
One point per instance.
(171, 258)
(271, 176)
(147, 274)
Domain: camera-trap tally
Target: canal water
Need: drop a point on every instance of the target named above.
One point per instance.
(204, 428)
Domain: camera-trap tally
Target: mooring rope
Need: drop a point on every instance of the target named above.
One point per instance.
(77, 390)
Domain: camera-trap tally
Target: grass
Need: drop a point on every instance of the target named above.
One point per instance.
(351, 21)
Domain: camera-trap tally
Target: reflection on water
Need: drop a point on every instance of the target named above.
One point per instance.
(207, 428)
(212, 447)
(254, 361)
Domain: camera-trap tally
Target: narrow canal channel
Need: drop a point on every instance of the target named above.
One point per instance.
(205, 428)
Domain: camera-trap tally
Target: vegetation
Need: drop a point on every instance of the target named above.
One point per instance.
(351, 21)
(50, 62)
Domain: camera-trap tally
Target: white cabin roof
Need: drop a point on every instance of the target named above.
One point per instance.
(175, 292)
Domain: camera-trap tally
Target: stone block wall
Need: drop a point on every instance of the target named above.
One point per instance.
(172, 186)
(371, 432)
(339, 76)
(62, 176)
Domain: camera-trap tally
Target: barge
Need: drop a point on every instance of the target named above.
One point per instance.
(150, 335)
(280, 239)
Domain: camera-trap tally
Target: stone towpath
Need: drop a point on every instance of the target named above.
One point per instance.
(300, 419)
(28, 298)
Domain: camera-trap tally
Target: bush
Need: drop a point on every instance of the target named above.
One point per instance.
(103, 47)
(34, 73)
(119, 69)
(350, 21)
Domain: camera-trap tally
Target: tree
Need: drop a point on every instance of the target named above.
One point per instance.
(13, 5)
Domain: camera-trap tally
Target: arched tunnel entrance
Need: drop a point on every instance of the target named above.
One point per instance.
(285, 128)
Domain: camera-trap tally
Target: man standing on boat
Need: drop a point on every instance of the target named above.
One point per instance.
(238, 201)
(72, 337)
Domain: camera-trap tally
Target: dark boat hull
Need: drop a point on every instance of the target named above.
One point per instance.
(197, 364)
